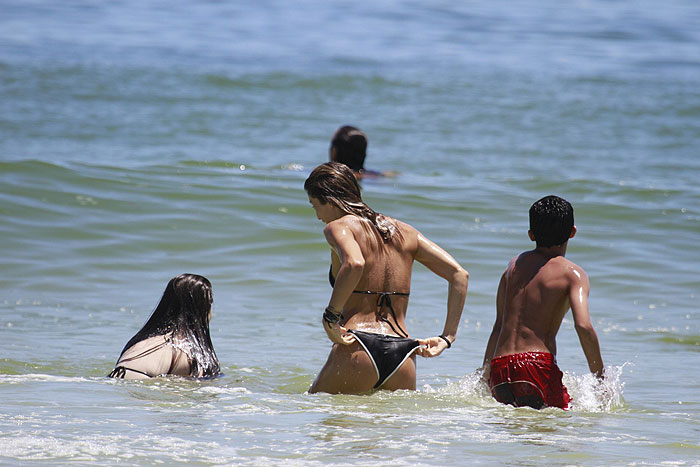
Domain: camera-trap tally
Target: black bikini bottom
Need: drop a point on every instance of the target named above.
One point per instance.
(387, 353)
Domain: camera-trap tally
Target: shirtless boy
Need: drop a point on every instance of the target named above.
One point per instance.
(536, 290)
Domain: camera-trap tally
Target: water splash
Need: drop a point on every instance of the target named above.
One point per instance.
(471, 388)
(587, 392)
(592, 395)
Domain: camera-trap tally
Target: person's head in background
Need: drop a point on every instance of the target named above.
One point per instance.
(349, 147)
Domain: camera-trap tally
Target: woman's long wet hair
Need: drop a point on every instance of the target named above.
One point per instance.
(184, 311)
(335, 183)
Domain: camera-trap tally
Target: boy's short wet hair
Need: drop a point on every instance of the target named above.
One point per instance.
(551, 221)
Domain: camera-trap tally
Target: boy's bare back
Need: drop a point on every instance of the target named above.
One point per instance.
(533, 297)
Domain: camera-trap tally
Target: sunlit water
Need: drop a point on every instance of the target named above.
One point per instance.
(141, 140)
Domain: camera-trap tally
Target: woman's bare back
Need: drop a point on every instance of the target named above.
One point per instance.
(388, 267)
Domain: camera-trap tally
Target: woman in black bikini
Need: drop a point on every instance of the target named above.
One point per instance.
(175, 340)
(371, 261)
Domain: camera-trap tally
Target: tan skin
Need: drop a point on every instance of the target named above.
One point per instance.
(158, 362)
(535, 292)
(359, 263)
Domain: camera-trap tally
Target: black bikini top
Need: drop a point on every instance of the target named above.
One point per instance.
(384, 298)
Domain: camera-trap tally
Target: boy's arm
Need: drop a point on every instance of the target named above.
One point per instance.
(578, 297)
(496, 331)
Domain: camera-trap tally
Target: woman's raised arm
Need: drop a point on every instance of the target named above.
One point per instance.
(444, 265)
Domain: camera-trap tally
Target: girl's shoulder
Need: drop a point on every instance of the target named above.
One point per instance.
(150, 344)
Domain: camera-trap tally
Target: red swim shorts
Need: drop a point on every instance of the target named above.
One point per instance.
(530, 378)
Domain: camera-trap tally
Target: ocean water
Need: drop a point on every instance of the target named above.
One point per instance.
(141, 140)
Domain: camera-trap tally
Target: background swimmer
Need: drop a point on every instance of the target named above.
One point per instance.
(349, 147)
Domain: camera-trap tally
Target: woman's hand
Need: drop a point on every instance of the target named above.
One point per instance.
(431, 347)
(338, 334)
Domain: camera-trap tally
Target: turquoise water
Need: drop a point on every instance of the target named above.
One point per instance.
(140, 140)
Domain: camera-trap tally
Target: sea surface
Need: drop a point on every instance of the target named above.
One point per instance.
(144, 139)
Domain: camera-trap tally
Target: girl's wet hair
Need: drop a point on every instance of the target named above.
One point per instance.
(184, 310)
(551, 221)
(335, 183)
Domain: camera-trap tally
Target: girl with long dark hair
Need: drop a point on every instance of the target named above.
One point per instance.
(175, 340)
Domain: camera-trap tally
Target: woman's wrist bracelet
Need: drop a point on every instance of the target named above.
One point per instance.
(449, 344)
(330, 316)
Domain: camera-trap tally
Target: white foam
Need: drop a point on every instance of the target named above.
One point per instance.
(587, 392)
(592, 395)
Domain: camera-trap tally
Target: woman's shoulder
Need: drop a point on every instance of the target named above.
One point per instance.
(348, 221)
(408, 232)
(404, 226)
